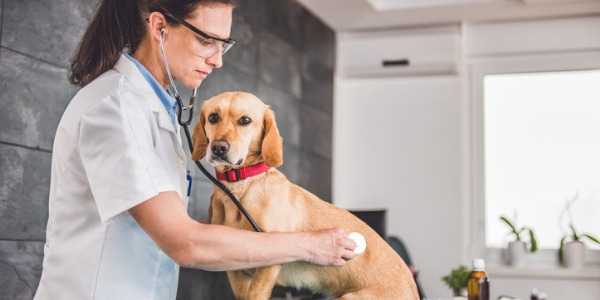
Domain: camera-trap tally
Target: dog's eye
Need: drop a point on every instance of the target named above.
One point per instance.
(213, 118)
(244, 121)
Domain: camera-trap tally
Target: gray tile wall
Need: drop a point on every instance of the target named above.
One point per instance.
(284, 55)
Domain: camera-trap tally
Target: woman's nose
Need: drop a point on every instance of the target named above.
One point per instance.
(215, 60)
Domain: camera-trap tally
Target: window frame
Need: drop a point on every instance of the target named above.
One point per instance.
(476, 70)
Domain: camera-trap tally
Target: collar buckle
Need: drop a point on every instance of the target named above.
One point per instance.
(236, 175)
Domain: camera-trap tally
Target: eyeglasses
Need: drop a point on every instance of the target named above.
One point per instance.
(203, 44)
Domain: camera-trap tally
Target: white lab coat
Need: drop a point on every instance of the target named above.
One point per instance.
(115, 147)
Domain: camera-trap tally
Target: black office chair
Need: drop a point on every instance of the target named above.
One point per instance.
(399, 247)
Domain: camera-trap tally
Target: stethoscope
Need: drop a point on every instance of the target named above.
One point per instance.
(184, 123)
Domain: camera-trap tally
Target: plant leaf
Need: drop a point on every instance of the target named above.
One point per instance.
(561, 249)
(457, 279)
(519, 233)
(509, 223)
(533, 240)
(591, 237)
(575, 235)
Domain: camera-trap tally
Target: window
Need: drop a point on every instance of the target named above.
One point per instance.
(533, 144)
(542, 151)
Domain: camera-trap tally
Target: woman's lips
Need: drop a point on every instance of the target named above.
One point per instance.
(202, 74)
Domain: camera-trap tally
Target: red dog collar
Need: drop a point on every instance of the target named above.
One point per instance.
(234, 175)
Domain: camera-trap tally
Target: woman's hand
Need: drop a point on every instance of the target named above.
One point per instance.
(330, 247)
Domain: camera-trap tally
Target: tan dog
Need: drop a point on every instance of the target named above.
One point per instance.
(237, 130)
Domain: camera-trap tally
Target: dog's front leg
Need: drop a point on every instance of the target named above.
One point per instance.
(216, 211)
(240, 283)
(263, 281)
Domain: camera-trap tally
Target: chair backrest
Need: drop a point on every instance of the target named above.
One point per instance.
(376, 219)
(399, 247)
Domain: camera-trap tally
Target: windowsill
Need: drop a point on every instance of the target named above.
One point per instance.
(587, 273)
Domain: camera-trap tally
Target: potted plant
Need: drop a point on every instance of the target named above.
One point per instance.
(457, 280)
(517, 249)
(571, 252)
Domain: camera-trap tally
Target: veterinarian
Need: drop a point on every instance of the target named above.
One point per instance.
(118, 226)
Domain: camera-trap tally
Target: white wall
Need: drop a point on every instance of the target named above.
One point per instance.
(397, 146)
(403, 143)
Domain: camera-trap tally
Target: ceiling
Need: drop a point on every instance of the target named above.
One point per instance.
(358, 15)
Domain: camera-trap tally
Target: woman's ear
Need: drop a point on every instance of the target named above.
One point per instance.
(199, 139)
(272, 144)
(156, 24)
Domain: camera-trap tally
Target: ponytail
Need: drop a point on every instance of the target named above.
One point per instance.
(117, 25)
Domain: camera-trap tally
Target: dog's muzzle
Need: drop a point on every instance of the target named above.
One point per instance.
(219, 148)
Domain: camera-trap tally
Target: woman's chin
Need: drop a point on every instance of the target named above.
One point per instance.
(192, 83)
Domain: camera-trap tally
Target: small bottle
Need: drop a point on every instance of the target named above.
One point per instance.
(534, 294)
(478, 285)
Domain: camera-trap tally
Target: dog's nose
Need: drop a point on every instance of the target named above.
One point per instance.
(219, 147)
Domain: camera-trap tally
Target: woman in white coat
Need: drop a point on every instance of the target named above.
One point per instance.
(118, 225)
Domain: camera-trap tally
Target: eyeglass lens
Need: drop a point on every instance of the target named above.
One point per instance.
(205, 47)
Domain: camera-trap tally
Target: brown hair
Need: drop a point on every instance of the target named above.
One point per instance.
(118, 25)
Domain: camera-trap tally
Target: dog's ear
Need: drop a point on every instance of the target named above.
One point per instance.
(272, 144)
(199, 139)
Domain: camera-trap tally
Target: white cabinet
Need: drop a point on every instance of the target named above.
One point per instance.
(532, 37)
(406, 52)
